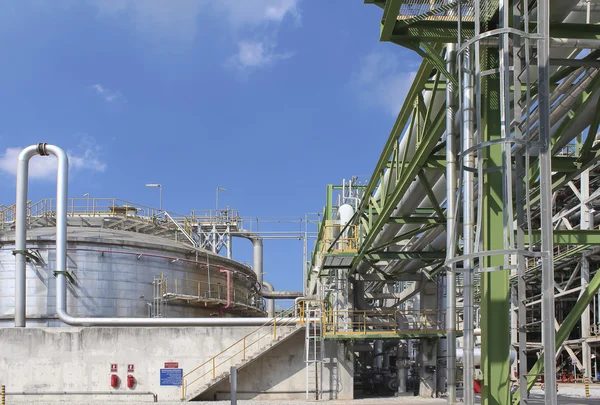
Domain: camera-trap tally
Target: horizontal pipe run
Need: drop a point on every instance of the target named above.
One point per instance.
(280, 295)
(154, 396)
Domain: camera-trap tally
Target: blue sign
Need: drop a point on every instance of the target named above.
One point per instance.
(171, 376)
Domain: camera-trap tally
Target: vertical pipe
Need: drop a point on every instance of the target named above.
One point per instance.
(548, 331)
(257, 247)
(233, 388)
(468, 105)
(61, 225)
(21, 233)
(450, 231)
(585, 224)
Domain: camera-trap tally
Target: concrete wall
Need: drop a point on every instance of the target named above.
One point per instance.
(281, 374)
(38, 360)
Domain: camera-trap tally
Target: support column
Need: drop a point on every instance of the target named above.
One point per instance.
(495, 302)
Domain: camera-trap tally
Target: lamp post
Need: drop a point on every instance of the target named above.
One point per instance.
(159, 186)
(87, 202)
(217, 200)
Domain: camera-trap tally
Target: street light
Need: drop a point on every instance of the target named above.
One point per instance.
(154, 185)
(87, 202)
(217, 200)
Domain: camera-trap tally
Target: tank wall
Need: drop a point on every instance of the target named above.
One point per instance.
(109, 284)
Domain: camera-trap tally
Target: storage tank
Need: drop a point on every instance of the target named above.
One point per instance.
(124, 273)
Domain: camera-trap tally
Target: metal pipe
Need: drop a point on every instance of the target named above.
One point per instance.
(154, 395)
(20, 232)
(281, 295)
(61, 256)
(270, 302)
(451, 188)
(257, 248)
(468, 123)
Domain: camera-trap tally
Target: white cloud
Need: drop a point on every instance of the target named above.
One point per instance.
(85, 157)
(255, 12)
(383, 81)
(165, 21)
(108, 95)
(253, 54)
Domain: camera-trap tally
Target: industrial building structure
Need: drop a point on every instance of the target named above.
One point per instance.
(471, 254)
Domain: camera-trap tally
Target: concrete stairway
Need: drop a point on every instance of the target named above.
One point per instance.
(208, 383)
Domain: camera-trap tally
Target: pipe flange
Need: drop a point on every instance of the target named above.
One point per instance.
(41, 149)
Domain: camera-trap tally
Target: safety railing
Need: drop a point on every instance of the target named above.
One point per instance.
(353, 322)
(339, 238)
(224, 216)
(174, 287)
(238, 351)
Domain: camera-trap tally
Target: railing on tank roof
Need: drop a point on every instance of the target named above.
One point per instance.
(221, 216)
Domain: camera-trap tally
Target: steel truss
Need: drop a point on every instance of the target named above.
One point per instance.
(527, 137)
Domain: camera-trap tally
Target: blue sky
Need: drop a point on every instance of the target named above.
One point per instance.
(270, 99)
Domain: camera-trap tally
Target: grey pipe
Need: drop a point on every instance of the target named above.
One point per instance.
(83, 393)
(281, 295)
(61, 256)
(270, 302)
(468, 123)
(21, 232)
(257, 249)
(451, 188)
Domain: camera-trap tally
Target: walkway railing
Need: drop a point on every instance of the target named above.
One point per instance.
(384, 322)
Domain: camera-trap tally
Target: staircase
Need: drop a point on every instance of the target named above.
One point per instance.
(240, 354)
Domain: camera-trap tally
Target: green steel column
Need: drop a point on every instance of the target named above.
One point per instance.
(329, 202)
(495, 304)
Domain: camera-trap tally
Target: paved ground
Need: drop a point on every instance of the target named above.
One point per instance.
(568, 394)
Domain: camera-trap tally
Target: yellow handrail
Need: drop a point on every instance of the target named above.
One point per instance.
(245, 345)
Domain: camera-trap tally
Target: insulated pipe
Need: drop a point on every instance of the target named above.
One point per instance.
(451, 188)
(61, 255)
(281, 295)
(257, 249)
(270, 302)
(468, 131)
(21, 231)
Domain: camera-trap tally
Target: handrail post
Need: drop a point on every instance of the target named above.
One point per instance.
(274, 328)
(213, 368)
(182, 388)
(244, 353)
(365, 320)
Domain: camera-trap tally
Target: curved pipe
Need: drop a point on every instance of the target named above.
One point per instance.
(270, 302)
(61, 256)
(21, 231)
(257, 255)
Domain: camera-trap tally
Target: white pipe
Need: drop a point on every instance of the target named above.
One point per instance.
(270, 302)
(20, 234)
(61, 255)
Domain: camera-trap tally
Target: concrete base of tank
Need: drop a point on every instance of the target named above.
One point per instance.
(82, 360)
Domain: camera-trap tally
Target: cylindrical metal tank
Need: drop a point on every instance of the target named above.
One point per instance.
(115, 273)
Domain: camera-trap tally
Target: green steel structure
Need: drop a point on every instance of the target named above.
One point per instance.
(485, 193)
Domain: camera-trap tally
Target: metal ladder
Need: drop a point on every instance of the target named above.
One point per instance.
(314, 348)
(158, 300)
